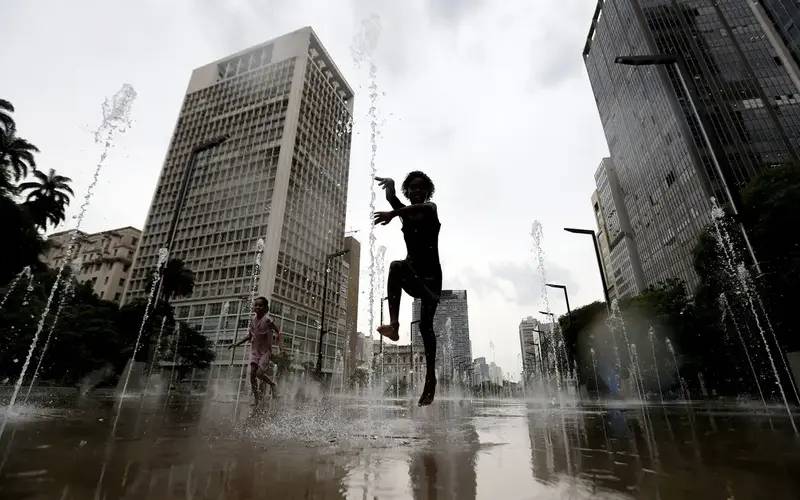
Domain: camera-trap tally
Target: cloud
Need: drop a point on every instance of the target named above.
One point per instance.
(452, 11)
(517, 283)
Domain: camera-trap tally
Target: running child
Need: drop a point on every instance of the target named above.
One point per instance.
(260, 334)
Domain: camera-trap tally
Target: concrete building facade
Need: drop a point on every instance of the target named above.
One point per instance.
(747, 97)
(281, 176)
(529, 344)
(621, 258)
(105, 258)
(451, 325)
(352, 268)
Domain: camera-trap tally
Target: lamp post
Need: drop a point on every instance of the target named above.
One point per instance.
(383, 299)
(242, 299)
(541, 333)
(328, 259)
(183, 191)
(678, 63)
(599, 260)
(566, 297)
(411, 341)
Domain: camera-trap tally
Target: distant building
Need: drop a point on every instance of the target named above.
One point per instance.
(362, 352)
(529, 346)
(623, 269)
(602, 243)
(451, 325)
(398, 365)
(480, 371)
(352, 265)
(105, 258)
(495, 374)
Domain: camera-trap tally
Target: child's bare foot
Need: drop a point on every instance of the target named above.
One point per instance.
(391, 332)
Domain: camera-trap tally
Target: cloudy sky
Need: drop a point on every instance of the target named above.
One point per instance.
(490, 98)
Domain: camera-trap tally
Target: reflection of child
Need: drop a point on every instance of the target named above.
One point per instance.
(260, 335)
(420, 274)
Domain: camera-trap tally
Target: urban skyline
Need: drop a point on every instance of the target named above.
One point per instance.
(501, 282)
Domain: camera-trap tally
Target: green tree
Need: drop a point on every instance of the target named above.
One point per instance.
(358, 379)
(22, 242)
(178, 280)
(86, 337)
(771, 213)
(47, 197)
(6, 120)
(16, 157)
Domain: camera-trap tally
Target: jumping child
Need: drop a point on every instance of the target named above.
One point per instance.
(420, 274)
(260, 334)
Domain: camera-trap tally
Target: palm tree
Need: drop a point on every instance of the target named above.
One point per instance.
(178, 280)
(6, 108)
(16, 155)
(48, 197)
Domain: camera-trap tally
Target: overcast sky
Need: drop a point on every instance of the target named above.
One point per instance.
(490, 98)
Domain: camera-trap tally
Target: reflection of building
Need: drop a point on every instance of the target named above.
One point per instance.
(744, 89)
(352, 263)
(105, 258)
(281, 175)
(446, 470)
(617, 247)
(451, 324)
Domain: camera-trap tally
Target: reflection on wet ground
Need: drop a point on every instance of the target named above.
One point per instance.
(348, 448)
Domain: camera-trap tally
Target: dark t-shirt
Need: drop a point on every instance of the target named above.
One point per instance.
(421, 233)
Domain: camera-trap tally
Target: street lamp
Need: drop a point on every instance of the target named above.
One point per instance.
(599, 260)
(679, 64)
(183, 191)
(383, 299)
(566, 297)
(328, 259)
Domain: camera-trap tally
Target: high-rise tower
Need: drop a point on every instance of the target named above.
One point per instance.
(280, 176)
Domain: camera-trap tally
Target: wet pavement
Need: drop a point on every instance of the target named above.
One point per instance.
(195, 448)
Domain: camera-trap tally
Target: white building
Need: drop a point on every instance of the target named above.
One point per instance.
(281, 176)
(105, 258)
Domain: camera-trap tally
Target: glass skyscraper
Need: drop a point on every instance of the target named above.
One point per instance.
(281, 176)
(746, 95)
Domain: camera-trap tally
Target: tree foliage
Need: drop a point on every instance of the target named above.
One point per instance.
(47, 197)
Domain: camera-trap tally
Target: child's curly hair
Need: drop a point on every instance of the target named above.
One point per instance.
(416, 174)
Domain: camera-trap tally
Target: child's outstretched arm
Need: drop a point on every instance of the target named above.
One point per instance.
(391, 196)
(386, 217)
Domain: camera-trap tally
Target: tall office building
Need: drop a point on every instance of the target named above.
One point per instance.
(105, 258)
(623, 268)
(744, 91)
(352, 263)
(280, 176)
(529, 346)
(451, 325)
(781, 20)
